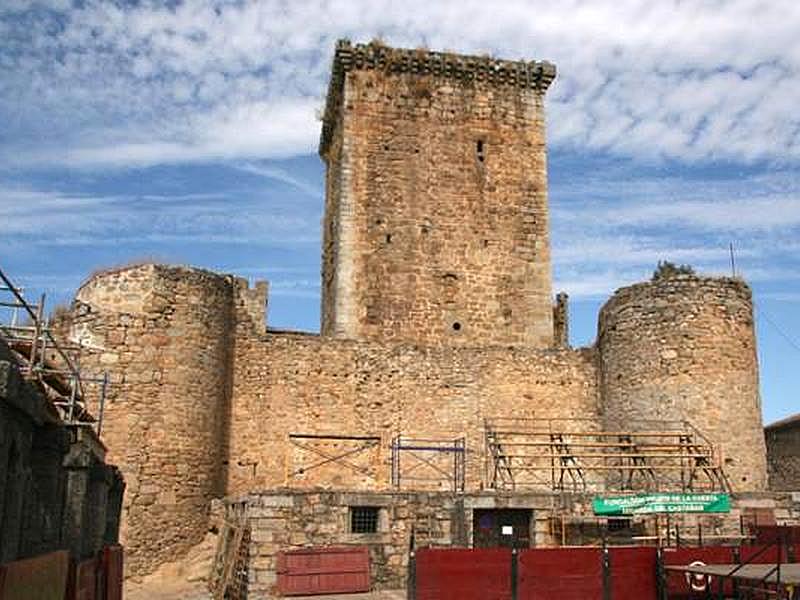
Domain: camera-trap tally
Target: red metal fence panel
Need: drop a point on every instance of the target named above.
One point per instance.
(633, 573)
(85, 581)
(40, 578)
(767, 534)
(683, 585)
(113, 569)
(339, 570)
(563, 573)
(463, 574)
(760, 555)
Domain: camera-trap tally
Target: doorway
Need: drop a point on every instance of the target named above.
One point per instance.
(501, 528)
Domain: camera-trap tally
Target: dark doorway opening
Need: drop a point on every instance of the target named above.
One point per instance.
(501, 528)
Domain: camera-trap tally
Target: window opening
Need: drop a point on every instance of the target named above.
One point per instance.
(479, 150)
(364, 519)
(619, 524)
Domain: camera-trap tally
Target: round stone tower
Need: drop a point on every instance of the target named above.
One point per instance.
(164, 334)
(683, 348)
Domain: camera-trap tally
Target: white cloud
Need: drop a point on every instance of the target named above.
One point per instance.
(34, 217)
(106, 84)
(738, 215)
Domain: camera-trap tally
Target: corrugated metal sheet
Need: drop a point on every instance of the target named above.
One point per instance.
(335, 570)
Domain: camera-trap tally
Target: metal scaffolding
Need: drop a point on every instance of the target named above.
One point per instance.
(351, 445)
(51, 364)
(429, 462)
(571, 454)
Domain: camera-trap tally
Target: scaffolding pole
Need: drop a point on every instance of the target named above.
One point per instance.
(61, 381)
(571, 455)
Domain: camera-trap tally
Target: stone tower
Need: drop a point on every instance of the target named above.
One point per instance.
(166, 335)
(436, 217)
(683, 349)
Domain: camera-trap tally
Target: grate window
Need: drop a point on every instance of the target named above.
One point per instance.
(619, 524)
(364, 519)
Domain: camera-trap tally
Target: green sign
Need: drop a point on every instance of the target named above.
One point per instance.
(643, 504)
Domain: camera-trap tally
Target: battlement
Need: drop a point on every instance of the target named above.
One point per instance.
(466, 69)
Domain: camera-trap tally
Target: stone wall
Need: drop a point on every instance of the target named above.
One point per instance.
(207, 401)
(304, 384)
(283, 520)
(286, 520)
(436, 227)
(56, 490)
(684, 348)
(783, 454)
(166, 336)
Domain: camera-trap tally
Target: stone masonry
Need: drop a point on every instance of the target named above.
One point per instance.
(436, 316)
(291, 519)
(166, 336)
(436, 226)
(783, 453)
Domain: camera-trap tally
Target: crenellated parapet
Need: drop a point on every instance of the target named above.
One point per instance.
(251, 304)
(466, 69)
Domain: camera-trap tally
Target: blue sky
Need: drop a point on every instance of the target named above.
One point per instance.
(187, 133)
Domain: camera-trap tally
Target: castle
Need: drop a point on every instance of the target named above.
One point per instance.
(441, 349)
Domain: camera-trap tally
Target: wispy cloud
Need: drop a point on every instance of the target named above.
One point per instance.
(119, 84)
(613, 230)
(277, 174)
(36, 217)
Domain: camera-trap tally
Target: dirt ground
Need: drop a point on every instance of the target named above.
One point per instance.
(187, 579)
(188, 591)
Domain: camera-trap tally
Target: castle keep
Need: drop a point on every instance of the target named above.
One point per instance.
(442, 383)
(436, 228)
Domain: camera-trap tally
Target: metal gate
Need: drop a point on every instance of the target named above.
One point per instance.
(463, 574)
(536, 574)
(563, 573)
(632, 572)
(310, 571)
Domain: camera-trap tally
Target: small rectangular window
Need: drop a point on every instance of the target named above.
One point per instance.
(619, 524)
(364, 519)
